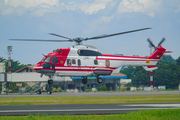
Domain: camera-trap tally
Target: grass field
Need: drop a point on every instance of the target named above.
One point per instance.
(168, 114)
(90, 100)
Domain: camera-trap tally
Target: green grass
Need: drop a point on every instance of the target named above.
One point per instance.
(168, 114)
(90, 100)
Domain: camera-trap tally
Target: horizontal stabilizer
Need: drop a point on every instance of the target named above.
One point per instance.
(150, 67)
(168, 52)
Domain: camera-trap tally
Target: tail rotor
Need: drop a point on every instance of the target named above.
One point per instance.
(152, 45)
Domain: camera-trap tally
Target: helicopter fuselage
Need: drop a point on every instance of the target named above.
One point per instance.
(84, 60)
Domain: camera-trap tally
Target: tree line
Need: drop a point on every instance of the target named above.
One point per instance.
(168, 74)
(15, 64)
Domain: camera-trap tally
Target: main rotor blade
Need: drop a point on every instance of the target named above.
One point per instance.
(151, 43)
(59, 35)
(103, 36)
(40, 40)
(161, 41)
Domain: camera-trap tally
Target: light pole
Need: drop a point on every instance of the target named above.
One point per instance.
(9, 49)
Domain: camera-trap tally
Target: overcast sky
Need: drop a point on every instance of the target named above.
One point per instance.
(34, 19)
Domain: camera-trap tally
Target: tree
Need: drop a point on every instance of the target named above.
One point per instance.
(168, 74)
(167, 58)
(178, 61)
(141, 77)
(15, 65)
(2, 59)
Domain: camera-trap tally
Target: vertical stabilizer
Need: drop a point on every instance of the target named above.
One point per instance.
(158, 53)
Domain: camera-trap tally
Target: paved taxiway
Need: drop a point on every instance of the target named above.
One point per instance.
(85, 108)
(81, 94)
(82, 109)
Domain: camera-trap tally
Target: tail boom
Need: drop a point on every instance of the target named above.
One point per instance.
(156, 55)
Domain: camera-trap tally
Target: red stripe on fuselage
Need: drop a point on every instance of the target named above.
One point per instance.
(108, 55)
(134, 58)
(122, 59)
(82, 70)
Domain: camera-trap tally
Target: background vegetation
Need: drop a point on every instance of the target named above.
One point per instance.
(168, 74)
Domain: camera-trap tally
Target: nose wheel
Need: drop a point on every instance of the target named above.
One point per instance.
(38, 92)
(50, 81)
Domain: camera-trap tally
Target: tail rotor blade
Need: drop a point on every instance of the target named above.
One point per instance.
(161, 41)
(151, 43)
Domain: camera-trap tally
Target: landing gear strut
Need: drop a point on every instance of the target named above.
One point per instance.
(99, 79)
(50, 81)
(84, 80)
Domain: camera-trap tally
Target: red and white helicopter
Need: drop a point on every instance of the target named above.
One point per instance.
(85, 60)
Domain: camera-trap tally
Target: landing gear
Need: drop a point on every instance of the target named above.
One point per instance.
(38, 92)
(49, 92)
(50, 81)
(84, 80)
(99, 80)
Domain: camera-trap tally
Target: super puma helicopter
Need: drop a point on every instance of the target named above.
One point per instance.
(85, 60)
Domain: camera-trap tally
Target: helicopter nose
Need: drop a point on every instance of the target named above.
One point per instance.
(37, 66)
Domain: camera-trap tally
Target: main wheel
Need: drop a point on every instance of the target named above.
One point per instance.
(99, 80)
(50, 81)
(49, 92)
(38, 92)
(84, 81)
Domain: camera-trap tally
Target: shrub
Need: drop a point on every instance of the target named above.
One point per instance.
(123, 88)
(128, 88)
(59, 89)
(54, 89)
(102, 88)
(88, 89)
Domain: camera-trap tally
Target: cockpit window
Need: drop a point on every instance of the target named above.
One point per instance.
(48, 59)
(89, 53)
(43, 59)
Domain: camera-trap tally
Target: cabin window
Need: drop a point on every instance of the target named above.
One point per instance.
(107, 63)
(48, 59)
(52, 60)
(56, 60)
(79, 62)
(68, 62)
(95, 62)
(73, 61)
(89, 53)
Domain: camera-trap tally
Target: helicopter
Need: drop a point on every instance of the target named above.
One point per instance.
(85, 60)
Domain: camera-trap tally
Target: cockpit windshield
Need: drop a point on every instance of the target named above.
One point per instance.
(43, 59)
(48, 59)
